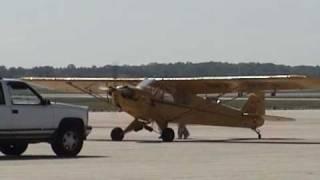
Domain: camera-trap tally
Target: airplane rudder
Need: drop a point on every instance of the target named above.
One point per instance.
(255, 104)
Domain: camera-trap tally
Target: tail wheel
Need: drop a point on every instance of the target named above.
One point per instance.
(14, 149)
(117, 134)
(68, 142)
(167, 135)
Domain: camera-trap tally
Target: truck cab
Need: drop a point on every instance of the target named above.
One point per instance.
(26, 117)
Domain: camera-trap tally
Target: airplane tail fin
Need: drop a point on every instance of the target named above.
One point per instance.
(255, 104)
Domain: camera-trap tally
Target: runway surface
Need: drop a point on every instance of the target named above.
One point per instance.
(289, 150)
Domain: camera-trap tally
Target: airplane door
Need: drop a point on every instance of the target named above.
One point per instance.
(28, 112)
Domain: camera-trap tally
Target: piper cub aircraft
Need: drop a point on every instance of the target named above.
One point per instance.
(176, 100)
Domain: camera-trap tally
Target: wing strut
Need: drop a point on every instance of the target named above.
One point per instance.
(88, 91)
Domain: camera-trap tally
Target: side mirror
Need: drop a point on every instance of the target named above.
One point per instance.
(46, 102)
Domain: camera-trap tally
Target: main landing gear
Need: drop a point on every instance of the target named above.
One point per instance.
(258, 133)
(117, 134)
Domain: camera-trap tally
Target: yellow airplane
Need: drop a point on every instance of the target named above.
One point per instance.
(176, 100)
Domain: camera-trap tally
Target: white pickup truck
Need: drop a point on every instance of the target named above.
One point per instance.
(26, 117)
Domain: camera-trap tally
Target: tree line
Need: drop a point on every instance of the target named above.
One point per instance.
(180, 69)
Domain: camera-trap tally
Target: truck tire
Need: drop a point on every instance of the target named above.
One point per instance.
(68, 142)
(14, 149)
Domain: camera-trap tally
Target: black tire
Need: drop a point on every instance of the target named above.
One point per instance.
(117, 134)
(14, 149)
(167, 135)
(68, 142)
(259, 136)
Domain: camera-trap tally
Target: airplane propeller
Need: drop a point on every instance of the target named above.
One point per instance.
(111, 88)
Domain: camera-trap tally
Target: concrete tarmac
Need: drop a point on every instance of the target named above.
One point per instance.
(289, 150)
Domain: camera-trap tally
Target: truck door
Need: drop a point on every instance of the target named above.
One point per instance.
(29, 113)
(5, 118)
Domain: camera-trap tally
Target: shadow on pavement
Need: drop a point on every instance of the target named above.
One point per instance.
(44, 157)
(294, 141)
(125, 140)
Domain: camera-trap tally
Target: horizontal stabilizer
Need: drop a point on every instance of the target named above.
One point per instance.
(277, 118)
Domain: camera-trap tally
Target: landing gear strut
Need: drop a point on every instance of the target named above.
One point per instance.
(258, 133)
(117, 134)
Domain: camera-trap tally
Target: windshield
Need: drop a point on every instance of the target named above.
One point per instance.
(145, 84)
(156, 92)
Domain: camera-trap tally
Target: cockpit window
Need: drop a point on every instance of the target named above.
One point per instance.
(168, 97)
(157, 93)
(145, 84)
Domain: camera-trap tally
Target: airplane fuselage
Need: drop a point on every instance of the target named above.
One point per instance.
(143, 105)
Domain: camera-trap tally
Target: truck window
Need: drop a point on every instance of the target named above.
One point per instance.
(2, 101)
(21, 94)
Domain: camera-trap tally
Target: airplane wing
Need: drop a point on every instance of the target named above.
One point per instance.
(207, 85)
(201, 85)
(80, 85)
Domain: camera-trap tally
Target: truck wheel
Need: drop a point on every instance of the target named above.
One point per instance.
(14, 149)
(68, 142)
(167, 135)
(117, 134)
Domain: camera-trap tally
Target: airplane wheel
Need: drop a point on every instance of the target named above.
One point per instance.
(117, 134)
(167, 135)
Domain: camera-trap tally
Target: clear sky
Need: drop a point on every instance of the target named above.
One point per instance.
(99, 32)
